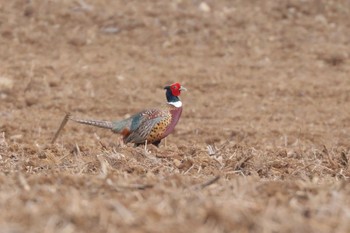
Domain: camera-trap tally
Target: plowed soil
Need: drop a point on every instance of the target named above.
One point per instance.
(263, 144)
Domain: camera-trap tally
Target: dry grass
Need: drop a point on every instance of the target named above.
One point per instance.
(262, 146)
(65, 189)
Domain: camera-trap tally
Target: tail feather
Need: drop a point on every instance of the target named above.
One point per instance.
(101, 124)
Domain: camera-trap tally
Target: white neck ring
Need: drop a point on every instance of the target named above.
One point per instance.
(176, 104)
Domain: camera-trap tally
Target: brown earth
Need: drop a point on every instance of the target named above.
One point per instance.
(263, 143)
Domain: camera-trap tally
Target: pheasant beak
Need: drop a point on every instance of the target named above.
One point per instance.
(182, 88)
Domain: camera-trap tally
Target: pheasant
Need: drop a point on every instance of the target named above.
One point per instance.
(148, 126)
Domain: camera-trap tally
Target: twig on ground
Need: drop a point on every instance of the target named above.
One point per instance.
(23, 182)
(136, 186)
(189, 169)
(301, 169)
(64, 122)
(330, 160)
(211, 150)
(242, 161)
(102, 145)
(104, 166)
(77, 149)
(123, 211)
(209, 182)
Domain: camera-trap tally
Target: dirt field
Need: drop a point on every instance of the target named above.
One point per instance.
(263, 143)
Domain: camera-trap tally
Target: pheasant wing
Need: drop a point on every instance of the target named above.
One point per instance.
(146, 121)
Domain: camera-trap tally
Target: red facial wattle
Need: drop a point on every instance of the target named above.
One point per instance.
(175, 89)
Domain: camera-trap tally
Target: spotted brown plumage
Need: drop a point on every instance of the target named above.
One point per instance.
(151, 125)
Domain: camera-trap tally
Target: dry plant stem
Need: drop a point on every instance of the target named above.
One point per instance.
(330, 160)
(145, 148)
(104, 166)
(102, 145)
(23, 182)
(344, 159)
(64, 122)
(136, 186)
(209, 182)
(242, 162)
(77, 149)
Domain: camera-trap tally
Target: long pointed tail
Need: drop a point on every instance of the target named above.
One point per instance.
(101, 124)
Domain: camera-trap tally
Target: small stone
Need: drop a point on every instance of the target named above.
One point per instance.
(16, 137)
(120, 77)
(204, 7)
(28, 11)
(110, 30)
(3, 96)
(31, 100)
(321, 19)
(6, 83)
(177, 162)
(77, 41)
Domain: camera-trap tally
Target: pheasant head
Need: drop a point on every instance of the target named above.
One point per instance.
(173, 92)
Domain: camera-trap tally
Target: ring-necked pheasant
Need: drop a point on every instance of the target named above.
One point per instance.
(151, 125)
